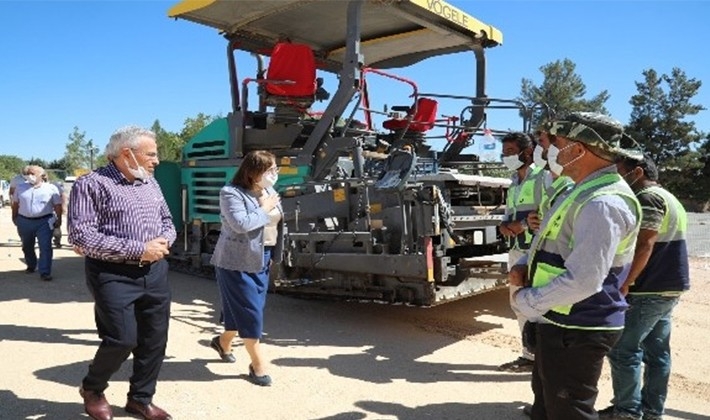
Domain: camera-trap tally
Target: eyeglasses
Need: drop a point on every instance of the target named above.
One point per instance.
(273, 169)
(150, 155)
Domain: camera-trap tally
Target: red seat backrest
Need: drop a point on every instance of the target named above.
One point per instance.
(293, 62)
(426, 114)
(423, 120)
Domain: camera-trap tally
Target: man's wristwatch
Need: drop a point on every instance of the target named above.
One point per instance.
(524, 224)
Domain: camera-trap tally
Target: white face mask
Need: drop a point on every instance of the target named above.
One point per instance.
(31, 179)
(268, 180)
(552, 154)
(140, 173)
(537, 157)
(513, 162)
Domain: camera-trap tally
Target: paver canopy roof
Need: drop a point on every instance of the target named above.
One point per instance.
(393, 33)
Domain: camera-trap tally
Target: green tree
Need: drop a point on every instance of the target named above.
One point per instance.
(100, 160)
(562, 90)
(660, 114)
(57, 164)
(56, 169)
(10, 166)
(169, 144)
(192, 126)
(37, 161)
(78, 154)
(704, 153)
(661, 122)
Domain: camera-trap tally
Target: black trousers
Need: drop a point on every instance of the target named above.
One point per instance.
(132, 312)
(568, 364)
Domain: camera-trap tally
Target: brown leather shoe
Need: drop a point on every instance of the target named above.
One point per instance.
(148, 411)
(95, 405)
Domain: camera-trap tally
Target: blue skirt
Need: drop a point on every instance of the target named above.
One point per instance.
(243, 298)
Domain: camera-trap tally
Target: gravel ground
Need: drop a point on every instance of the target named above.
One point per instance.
(330, 360)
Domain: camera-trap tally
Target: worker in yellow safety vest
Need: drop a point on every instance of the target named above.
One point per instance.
(576, 267)
(641, 360)
(560, 185)
(526, 191)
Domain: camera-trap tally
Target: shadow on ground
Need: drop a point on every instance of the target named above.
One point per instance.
(28, 408)
(431, 411)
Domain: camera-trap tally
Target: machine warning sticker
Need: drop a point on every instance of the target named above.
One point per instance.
(339, 195)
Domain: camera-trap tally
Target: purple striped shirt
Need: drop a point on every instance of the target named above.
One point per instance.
(112, 218)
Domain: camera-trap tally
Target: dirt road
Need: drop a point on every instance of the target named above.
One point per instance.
(330, 360)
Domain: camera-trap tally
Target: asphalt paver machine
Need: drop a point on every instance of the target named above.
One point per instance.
(371, 212)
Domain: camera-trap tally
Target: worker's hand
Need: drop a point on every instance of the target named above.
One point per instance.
(269, 202)
(624, 290)
(505, 230)
(518, 276)
(517, 227)
(155, 250)
(77, 250)
(514, 228)
(533, 221)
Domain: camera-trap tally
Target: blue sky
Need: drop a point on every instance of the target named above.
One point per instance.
(100, 65)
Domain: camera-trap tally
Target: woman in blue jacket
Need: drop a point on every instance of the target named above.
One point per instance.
(251, 237)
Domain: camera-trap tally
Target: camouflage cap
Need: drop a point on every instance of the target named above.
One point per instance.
(602, 133)
(629, 148)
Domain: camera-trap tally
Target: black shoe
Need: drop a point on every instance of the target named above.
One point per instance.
(226, 357)
(29, 270)
(46, 277)
(263, 380)
(519, 365)
(612, 414)
(606, 413)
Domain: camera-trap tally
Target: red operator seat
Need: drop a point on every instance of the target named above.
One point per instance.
(423, 119)
(292, 62)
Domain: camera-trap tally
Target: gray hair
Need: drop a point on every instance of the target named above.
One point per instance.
(26, 169)
(126, 137)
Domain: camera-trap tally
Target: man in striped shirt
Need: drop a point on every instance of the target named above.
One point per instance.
(119, 220)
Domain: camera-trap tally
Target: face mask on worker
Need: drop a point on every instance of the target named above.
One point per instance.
(552, 154)
(31, 179)
(268, 180)
(539, 161)
(513, 162)
(139, 173)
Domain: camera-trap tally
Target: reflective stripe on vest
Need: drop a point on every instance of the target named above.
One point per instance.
(544, 273)
(559, 186)
(674, 215)
(667, 270)
(521, 200)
